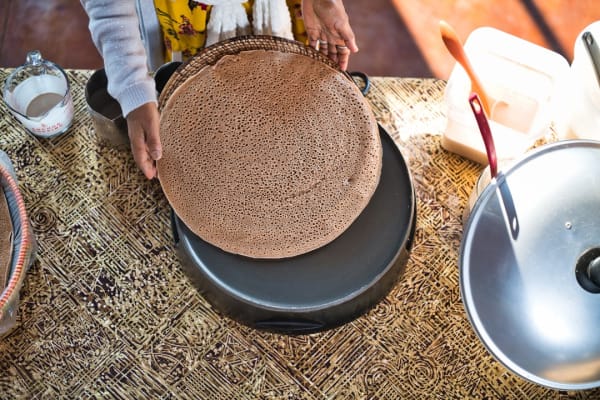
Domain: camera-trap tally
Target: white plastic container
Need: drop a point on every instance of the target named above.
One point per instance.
(523, 82)
(582, 96)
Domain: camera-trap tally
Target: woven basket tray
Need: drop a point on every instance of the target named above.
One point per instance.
(210, 55)
(23, 245)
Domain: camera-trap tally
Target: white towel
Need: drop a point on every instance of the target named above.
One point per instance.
(271, 17)
(228, 19)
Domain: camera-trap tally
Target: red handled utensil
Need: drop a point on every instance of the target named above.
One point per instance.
(486, 132)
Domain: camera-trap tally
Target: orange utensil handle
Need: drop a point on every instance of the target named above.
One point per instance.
(455, 48)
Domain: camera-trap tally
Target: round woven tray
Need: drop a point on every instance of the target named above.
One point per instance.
(210, 55)
(23, 245)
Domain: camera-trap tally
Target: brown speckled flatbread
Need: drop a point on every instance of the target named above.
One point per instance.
(268, 154)
(6, 229)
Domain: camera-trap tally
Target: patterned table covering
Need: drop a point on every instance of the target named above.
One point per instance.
(106, 311)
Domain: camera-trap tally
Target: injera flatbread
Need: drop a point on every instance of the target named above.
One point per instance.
(6, 233)
(268, 154)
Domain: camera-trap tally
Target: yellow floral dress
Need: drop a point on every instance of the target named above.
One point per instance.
(183, 24)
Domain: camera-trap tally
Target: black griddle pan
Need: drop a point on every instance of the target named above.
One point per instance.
(322, 289)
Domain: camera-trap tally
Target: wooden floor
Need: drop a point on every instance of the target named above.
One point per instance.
(396, 37)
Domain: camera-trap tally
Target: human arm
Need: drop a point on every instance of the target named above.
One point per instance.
(329, 30)
(114, 26)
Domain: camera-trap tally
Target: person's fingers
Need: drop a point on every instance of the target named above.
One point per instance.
(329, 31)
(343, 55)
(314, 40)
(347, 36)
(332, 51)
(323, 45)
(144, 138)
(153, 141)
(313, 34)
(314, 43)
(140, 152)
(311, 24)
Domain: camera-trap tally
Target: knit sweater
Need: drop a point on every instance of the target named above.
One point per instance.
(115, 29)
(127, 34)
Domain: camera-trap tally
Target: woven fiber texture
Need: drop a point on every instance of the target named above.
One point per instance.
(212, 54)
(106, 311)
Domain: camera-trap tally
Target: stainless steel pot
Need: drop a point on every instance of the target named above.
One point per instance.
(530, 266)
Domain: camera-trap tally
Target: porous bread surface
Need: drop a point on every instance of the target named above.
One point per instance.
(268, 154)
(6, 230)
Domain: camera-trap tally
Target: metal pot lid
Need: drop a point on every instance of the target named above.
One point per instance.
(530, 266)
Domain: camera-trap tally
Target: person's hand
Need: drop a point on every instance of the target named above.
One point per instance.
(143, 128)
(329, 30)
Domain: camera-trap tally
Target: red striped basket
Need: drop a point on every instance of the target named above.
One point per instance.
(23, 252)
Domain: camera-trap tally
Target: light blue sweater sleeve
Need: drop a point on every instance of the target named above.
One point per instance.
(114, 26)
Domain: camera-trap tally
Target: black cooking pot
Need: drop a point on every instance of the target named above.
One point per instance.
(323, 288)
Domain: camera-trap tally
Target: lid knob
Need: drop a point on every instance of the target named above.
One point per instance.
(587, 270)
(593, 271)
(34, 57)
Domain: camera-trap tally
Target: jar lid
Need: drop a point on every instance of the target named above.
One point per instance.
(530, 266)
(34, 65)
